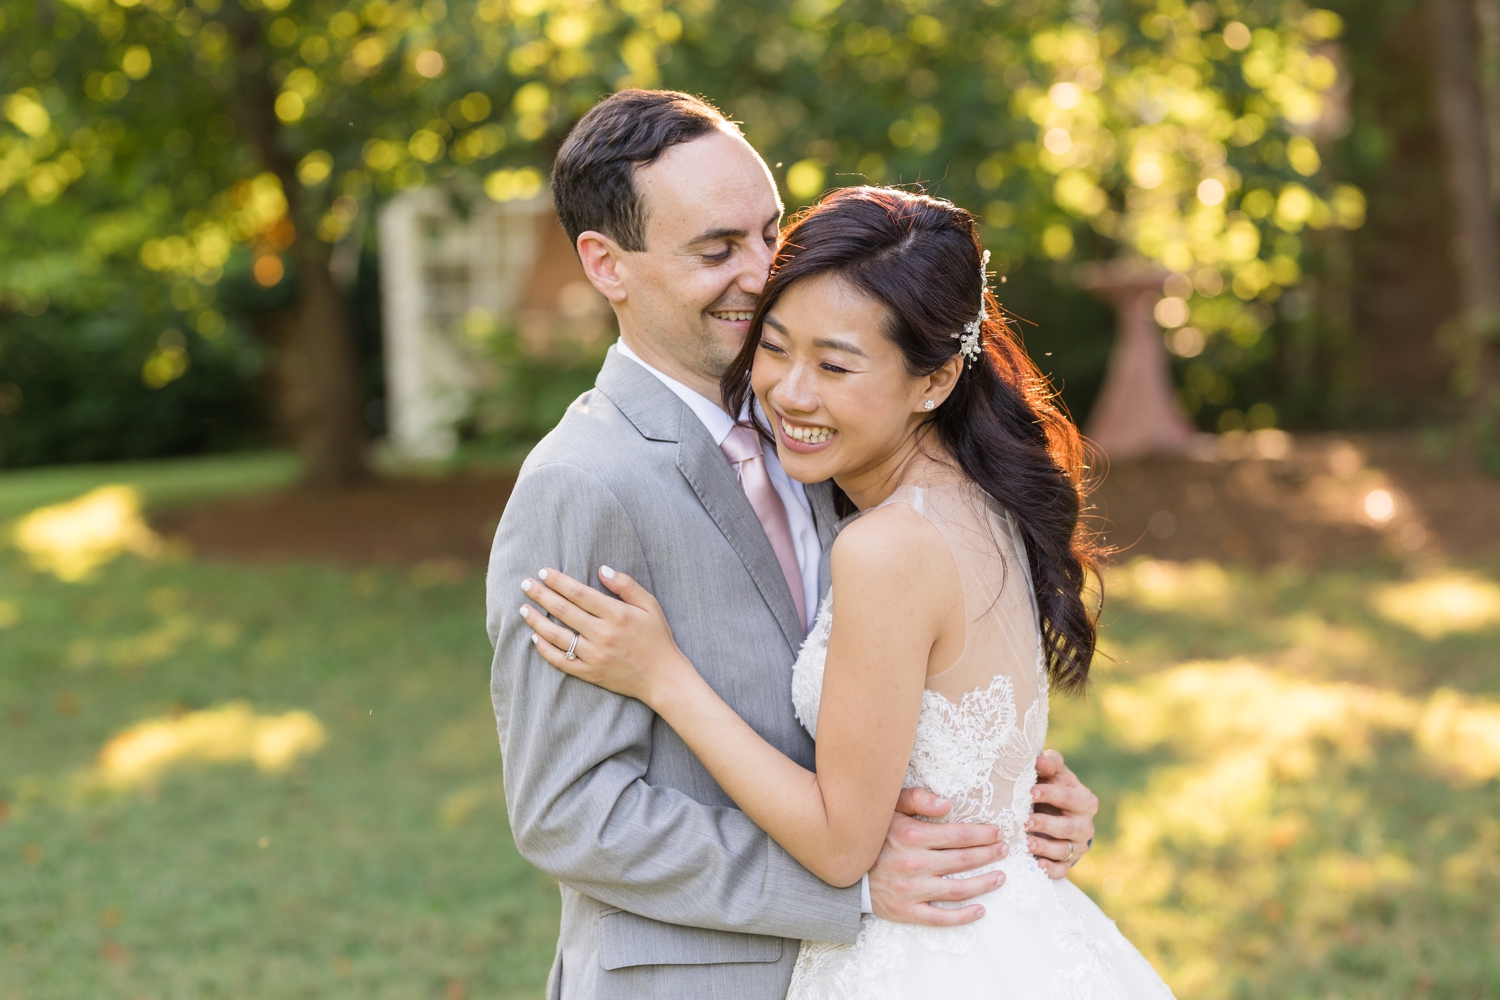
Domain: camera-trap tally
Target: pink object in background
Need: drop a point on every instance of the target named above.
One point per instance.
(1136, 413)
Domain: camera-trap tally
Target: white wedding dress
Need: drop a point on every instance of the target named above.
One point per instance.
(982, 724)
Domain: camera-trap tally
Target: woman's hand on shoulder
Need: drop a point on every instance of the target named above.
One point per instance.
(625, 645)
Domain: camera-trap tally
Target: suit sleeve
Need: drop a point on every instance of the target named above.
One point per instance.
(575, 755)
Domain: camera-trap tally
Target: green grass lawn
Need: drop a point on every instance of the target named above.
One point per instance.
(1300, 787)
(161, 483)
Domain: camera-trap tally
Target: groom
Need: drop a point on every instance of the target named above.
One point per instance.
(668, 890)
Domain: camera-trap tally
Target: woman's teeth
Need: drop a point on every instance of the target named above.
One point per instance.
(733, 317)
(807, 435)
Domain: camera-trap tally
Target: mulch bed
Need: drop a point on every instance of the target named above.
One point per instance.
(1258, 499)
(390, 521)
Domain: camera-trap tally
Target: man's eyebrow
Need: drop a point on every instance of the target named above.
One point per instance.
(724, 232)
(721, 233)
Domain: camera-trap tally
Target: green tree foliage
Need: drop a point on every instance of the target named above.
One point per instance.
(165, 144)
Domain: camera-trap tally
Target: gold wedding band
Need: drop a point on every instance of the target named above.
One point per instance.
(570, 655)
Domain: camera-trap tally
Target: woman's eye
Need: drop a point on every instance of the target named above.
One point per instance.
(767, 345)
(827, 367)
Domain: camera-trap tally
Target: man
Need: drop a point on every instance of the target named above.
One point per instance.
(668, 890)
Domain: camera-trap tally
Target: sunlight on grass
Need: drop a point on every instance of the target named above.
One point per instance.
(1241, 827)
(1301, 798)
(1299, 801)
(1443, 604)
(379, 866)
(72, 540)
(1200, 588)
(222, 735)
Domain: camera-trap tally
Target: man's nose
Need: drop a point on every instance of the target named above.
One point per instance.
(757, 267)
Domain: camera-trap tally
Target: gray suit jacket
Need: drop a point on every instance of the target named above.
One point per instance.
(668, 890)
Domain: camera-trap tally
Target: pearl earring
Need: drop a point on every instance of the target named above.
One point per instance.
(928, 405)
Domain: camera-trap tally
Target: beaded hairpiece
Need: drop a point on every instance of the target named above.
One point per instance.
(968, 340)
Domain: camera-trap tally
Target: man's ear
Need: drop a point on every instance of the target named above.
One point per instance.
(602, 259)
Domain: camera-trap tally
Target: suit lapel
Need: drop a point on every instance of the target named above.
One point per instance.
(825, 517)
(660, 416)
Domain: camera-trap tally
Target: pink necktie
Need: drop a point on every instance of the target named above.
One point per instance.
(742, 448)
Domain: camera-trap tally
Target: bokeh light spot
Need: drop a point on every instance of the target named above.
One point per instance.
(1379, 506)
(268, 270)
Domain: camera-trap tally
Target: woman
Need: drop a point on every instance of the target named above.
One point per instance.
(878, 359)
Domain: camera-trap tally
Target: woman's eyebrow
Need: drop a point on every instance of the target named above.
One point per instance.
(829, 343)
(834, 344)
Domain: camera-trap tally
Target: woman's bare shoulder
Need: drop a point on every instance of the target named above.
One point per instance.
(893, 538)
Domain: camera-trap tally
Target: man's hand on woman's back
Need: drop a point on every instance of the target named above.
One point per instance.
(1061, 827)
(908, 877)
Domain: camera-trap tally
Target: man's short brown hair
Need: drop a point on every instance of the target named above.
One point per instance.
(593, 183)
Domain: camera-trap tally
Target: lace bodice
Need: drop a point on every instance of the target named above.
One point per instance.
(984, 718)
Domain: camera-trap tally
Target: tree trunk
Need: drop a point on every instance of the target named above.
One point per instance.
(318, 369)
(322, 402)
(1463, 121)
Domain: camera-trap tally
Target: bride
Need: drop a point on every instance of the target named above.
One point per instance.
(878, 358)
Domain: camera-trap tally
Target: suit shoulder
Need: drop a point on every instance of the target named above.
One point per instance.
(599, 441)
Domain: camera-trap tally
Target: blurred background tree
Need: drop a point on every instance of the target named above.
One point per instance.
(203, 172)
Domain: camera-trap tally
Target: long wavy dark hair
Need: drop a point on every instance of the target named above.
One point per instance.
(920, 257)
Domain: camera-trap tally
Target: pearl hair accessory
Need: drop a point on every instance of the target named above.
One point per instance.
(928, 405)
(968, 340)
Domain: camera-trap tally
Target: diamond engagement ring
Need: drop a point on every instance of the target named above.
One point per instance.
(570, 654)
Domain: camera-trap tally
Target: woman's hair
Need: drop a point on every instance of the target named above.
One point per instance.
(920, 257)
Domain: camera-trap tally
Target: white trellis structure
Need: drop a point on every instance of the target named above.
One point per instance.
(437, 265)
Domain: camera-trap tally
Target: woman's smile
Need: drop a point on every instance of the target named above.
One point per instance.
(804, 438)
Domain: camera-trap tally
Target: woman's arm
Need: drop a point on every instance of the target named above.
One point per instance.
(894, 586)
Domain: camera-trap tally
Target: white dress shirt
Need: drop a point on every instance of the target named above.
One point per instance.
(798, 511)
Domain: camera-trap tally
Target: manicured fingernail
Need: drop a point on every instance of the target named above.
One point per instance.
(535, 638)
(606, 572)
(525, 611)
(526, 585)
(1036, 793)
(542, 574)
(981, 911)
